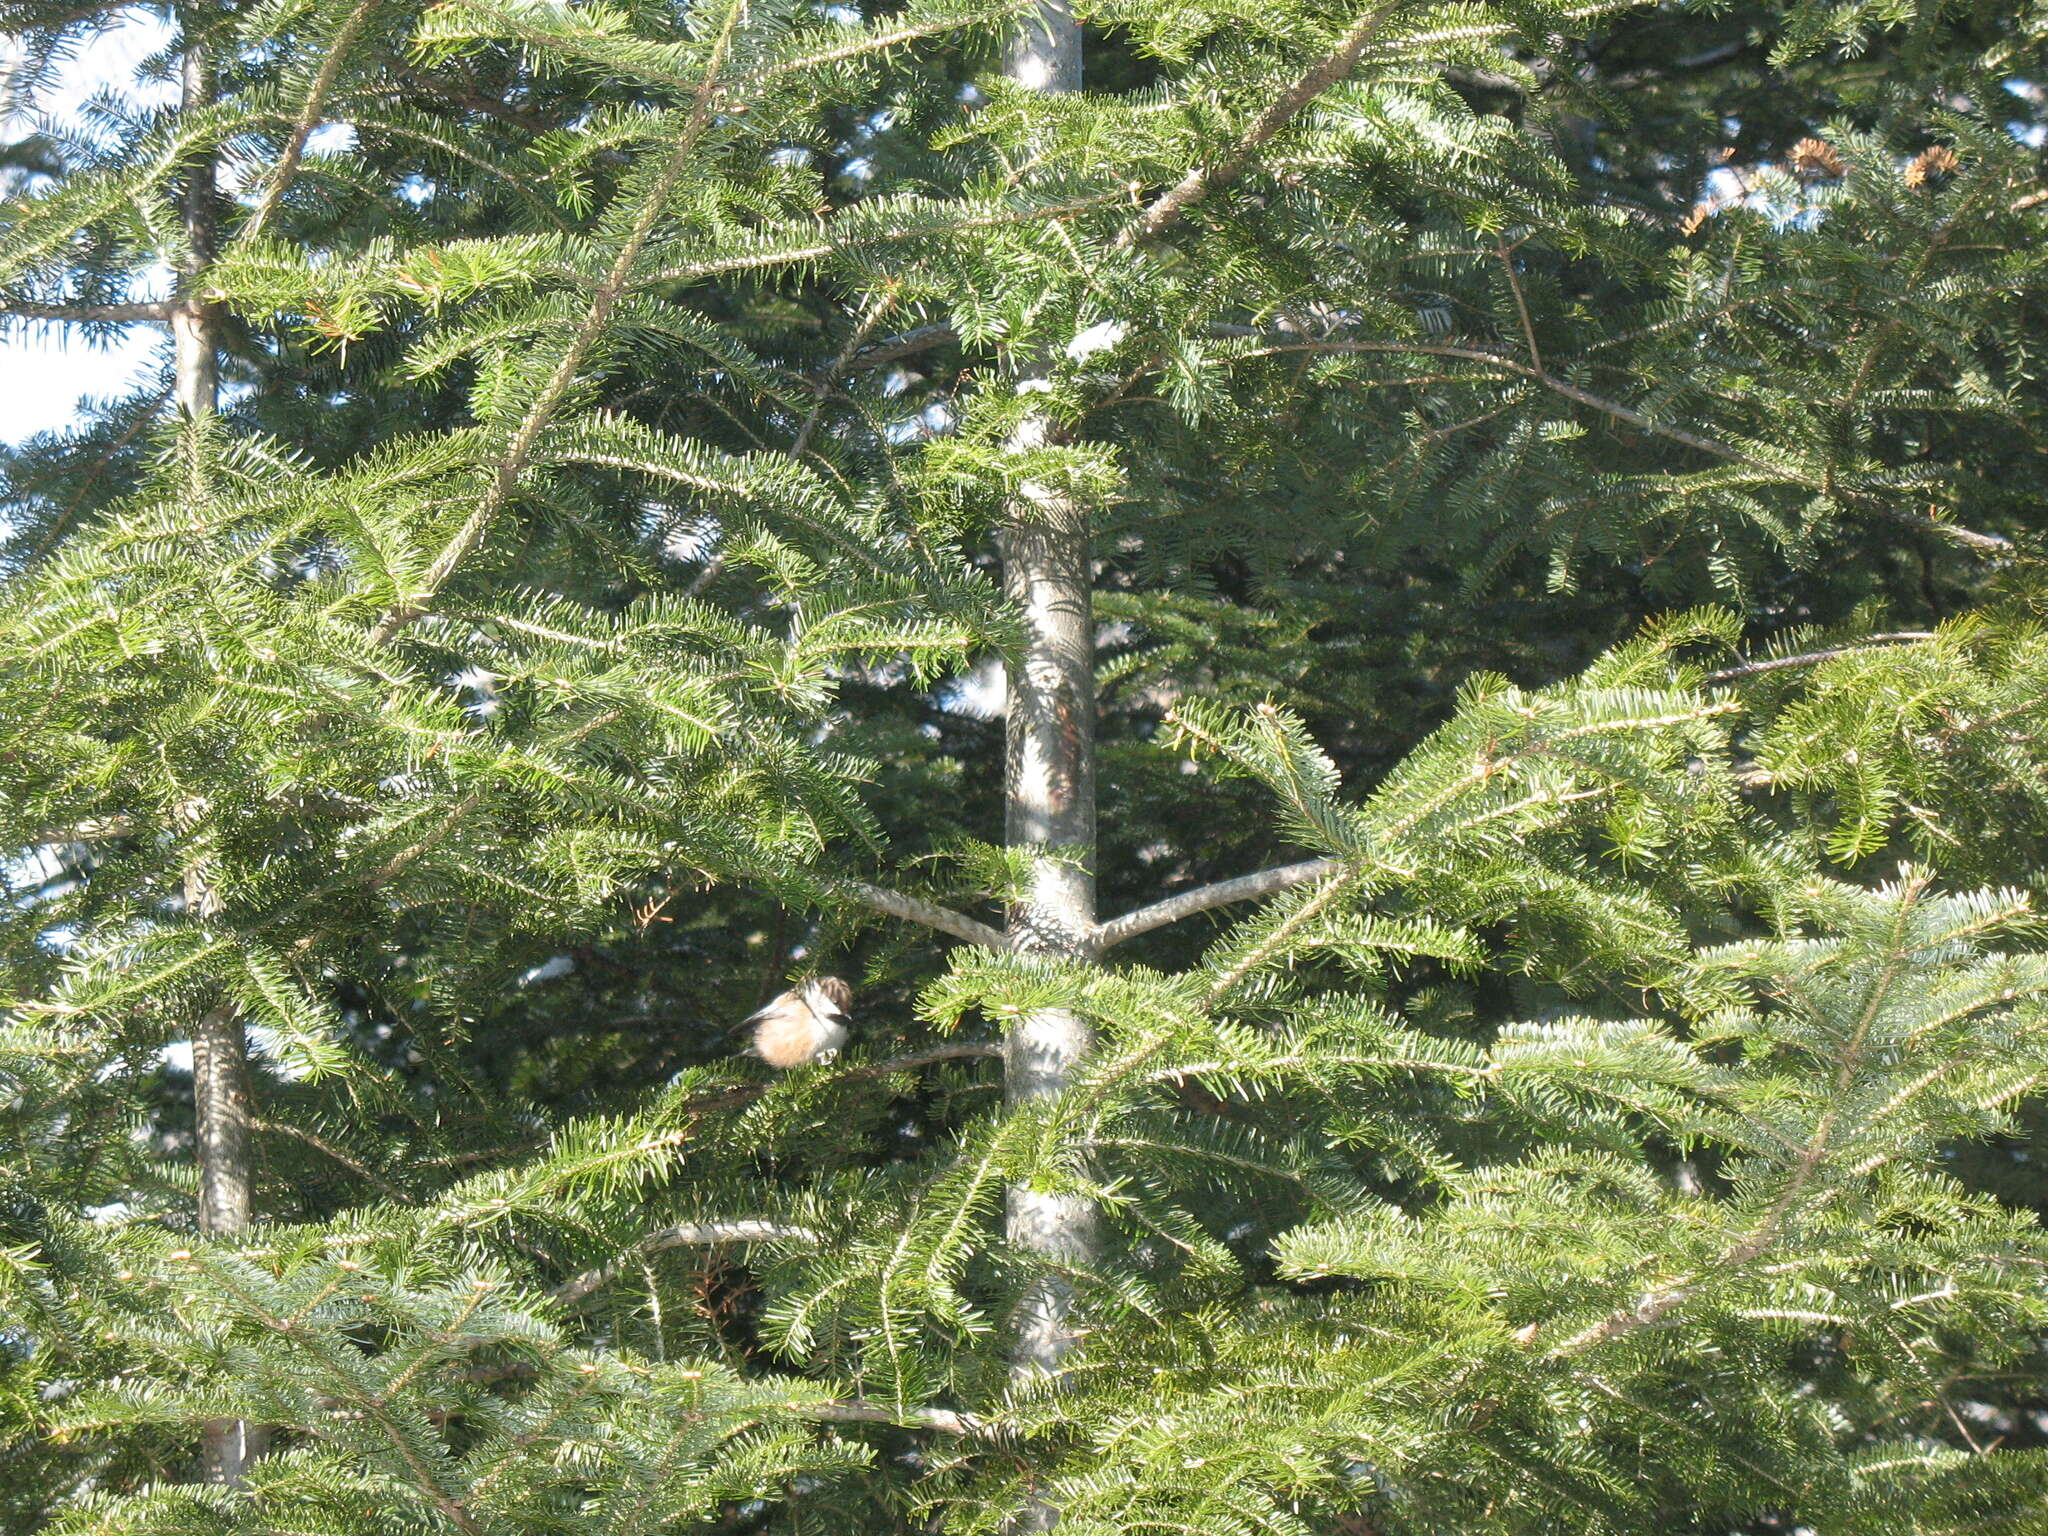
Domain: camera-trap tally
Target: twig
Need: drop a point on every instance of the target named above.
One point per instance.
(319, 1144)
(1814, 658)
(907, 344)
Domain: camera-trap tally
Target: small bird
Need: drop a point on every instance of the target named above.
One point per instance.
(806, 1023)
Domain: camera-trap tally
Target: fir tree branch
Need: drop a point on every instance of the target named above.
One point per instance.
(700, 1234)
(879, 42)
(715, 266)
(1172, 205)
(1654, 1306)
(747, 1093)
(309, 118)
(319, 1144)
(1221, 893)
(821, 391)
(519, 452)
(907, 344)
(446, 94)
(1415, 42)
(48, 22)
(1340, 880)
(1988, 543)
(915, 909)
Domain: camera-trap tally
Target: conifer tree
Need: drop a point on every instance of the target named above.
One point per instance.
(1535, 1109)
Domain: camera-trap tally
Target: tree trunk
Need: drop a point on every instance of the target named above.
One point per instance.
(1050, 784)
(193, 321)
(1049, 788)
(220, 1093)
(220, 1052)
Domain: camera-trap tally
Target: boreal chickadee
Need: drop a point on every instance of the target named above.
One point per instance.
(806, 1023)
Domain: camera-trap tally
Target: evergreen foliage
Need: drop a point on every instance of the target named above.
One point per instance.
(1556, 481)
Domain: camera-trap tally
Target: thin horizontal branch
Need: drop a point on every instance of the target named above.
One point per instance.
(92, 830)
(319, 1144)
(915, 909)
(446, 92)
(962, 1050)
(753, 261)
(1222, 893)
(157, 312)
(1988, 543)
(905, 344)
(697, 1234)
(959, 1050)
(855, 1411)
(1815, 658)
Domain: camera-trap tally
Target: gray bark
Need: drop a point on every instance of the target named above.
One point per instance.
(1244, 888)
(220, 1093)
(220, 1090)
(220, 1052)
(194, 322)
(1049, 786)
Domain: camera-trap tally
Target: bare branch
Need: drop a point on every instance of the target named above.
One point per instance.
(700, 1234)
(1222, 893)
(319, 1144)
(156, 312)
(90, 831)
(854, 1411)
(917, 910)
(905, 344)
(1172, 205)
(1814, 658)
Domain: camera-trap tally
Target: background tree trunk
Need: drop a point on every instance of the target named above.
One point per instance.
(1049, 786)
(220, 1053)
